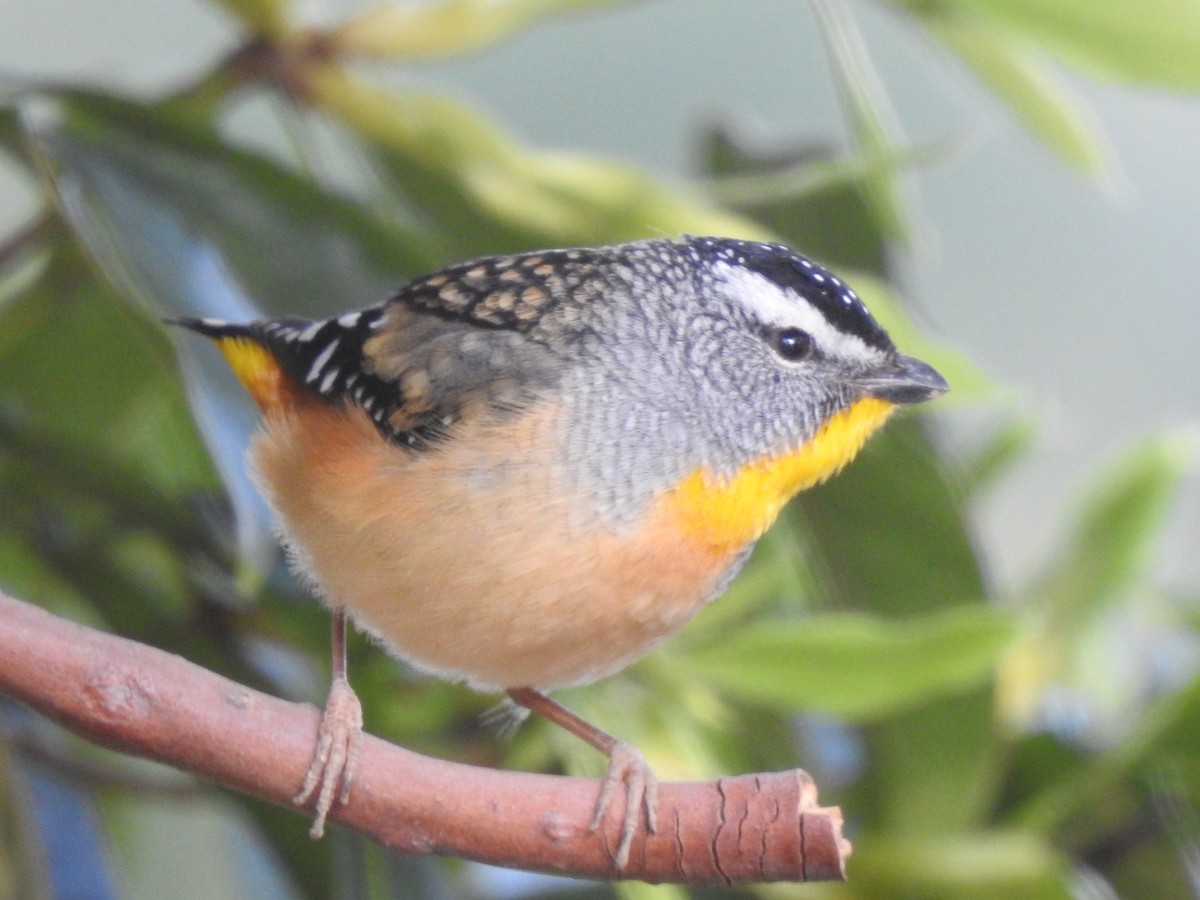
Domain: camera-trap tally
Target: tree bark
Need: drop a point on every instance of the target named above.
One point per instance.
(140, 700)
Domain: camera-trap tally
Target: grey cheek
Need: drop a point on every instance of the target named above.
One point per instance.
(709, 341)
(701, 349)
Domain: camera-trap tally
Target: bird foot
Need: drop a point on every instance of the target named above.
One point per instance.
(627, 767)
(335, 760)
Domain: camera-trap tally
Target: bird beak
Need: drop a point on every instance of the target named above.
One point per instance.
(904, 380)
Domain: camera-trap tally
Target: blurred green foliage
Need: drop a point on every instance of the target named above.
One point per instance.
(862, 642)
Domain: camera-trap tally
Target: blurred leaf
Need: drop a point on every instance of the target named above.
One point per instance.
(1154, 867)
(36, 457)
(1036, 762)
(1108, 554)
(812, 197)
(873, 123)
(892, 538)
(854, 666)
(986, 866)
(1039, 99)
(890, 531)
(499, 192)
(23, 870)
(415, 31)
(261, 17)
(827, 218)
(1152, 42)
(185, 224)
(1006, 445)
(935, 769)
(1166, 734)
(638, 890)
(10, 132)
(75, 364)
(1116, 527)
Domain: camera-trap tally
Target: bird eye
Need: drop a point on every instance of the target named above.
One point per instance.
(792, 344)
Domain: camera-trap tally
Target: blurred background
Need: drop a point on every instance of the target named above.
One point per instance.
(1011, 182)
(1076, 292)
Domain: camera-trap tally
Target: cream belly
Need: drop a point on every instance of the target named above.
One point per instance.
(478, 559)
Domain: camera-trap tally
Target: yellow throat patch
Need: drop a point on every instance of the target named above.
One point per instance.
(727, 514)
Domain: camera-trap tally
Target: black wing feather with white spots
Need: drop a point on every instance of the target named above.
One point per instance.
(325, 356)
(443, 347)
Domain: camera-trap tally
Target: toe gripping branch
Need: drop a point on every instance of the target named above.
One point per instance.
(754, 828)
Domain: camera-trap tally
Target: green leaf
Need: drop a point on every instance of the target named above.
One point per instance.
(1106, 558)
(854, 666)
(873, 123)
(409, 31)
(1036, 95)
(264, 17)
(181, 223)
(10, 132)
(184, 222)
(813, 197)
(639, 890)
(891, 535)
(1151, 42)
(991, 865)
(52, 464)
(77, 368)
(1115, 531)
(489, 193)
(1166, 734)
(791, 193)
(890, 531)
(1000, 452)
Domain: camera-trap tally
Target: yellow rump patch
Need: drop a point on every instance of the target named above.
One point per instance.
(257, 370)
(726, 514)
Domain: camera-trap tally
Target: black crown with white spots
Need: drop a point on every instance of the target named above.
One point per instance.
(782, 265)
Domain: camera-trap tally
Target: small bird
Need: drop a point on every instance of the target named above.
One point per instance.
(524, 472)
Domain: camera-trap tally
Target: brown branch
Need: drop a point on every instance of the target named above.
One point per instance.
(140, 700)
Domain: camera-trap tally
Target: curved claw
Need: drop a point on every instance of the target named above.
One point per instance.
(627, 766)
(335, 761)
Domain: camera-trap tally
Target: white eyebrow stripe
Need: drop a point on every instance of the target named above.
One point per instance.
(777, 306)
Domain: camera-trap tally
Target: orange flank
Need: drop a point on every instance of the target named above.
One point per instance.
(727, 514)
(258, 372)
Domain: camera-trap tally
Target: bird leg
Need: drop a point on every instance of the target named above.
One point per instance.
(625, 766)
(339, 740)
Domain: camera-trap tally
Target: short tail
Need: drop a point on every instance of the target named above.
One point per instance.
(252, 360)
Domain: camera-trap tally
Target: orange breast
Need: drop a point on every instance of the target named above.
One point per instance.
(482, 560)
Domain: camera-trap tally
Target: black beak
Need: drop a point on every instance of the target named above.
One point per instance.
(904, 380)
